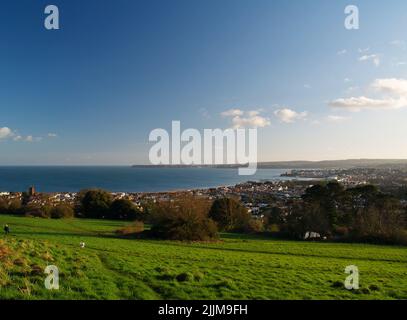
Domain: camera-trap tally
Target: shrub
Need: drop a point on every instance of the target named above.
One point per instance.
(135, 228)
(341, 231)
(273, 228)
(124, 210)
(62, 211)
(95, 203)
(380, 220)
(229, 214)
(183, 219)
(15, 207)
(12, 206)
(274, 216)
(3, 205)
(254, 226)
(37, 211)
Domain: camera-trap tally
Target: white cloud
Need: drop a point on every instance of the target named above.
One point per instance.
(363, 50)
(392, 86)
(32, 139)
(341, 52)
(253, 113)
(232, 113)
(254, 122)
(243, 119)
(357, 103)
(375, 58)
(5, 133)
(392, 95)
(307, 86)
(335, 118)
(52, 135)
(289, 116)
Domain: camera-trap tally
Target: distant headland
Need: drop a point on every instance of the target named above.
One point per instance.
(325, 164)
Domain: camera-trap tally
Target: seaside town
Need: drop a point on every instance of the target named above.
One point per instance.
(354, 176)
(256, 196)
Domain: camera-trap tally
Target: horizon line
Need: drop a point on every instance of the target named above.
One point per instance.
(197, 165)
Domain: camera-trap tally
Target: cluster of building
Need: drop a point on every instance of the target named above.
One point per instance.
(355, 176)
(256, 196)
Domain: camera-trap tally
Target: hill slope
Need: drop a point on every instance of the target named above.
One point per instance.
(237, 268)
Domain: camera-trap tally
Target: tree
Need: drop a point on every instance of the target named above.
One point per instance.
(124, 210)
(62, 211)
(95, 203)
(15, 206)
(183, 219)
(254, 226)
(274, 216)
(294, 225)
(322, 204)
(25, 198)
(229, 214)
(33, 210)
(379, 219)
(3, 206)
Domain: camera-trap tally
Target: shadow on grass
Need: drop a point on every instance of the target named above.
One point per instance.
(146, 237)
(223, 248)
(40, 235)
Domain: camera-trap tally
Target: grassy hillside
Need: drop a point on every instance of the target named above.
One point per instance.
(237, 268)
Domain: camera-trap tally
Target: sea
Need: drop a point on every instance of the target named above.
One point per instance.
(124, 178)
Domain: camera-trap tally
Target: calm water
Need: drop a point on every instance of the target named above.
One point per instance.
(125, 179)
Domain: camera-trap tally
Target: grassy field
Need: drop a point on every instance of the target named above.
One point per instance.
(238, 267)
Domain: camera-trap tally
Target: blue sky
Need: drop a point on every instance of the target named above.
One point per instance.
(91, 92)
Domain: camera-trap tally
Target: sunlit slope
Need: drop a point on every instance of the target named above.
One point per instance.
(238, 267)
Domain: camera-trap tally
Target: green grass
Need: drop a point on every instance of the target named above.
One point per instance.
(239, 267)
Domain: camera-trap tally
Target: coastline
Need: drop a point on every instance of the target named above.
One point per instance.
(126, 179)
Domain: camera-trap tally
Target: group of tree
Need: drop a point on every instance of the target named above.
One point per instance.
(196, 219)
(60, 211)
(185, 218)
(95, 204)
(99, 204)
(10, 206)
(19, 207)
(230, 215)
(361, 213)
